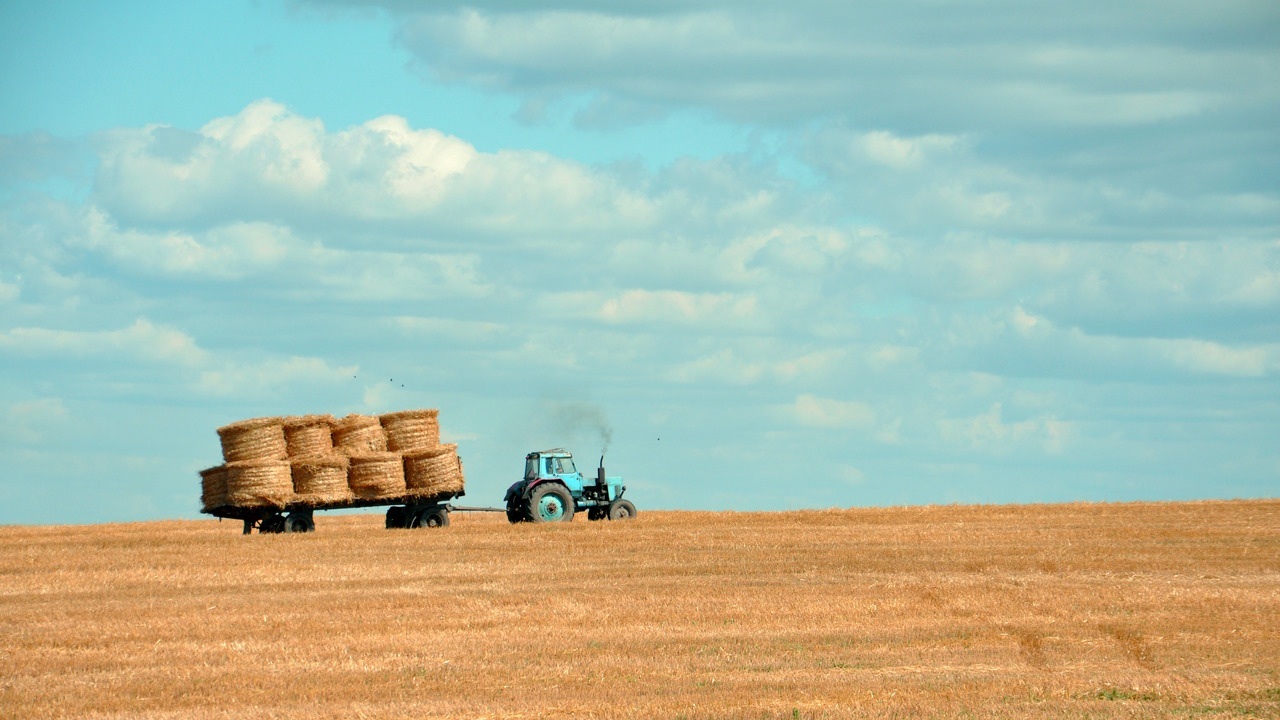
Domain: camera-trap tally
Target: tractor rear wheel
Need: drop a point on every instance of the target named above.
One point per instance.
(550, 502)
(622, 510)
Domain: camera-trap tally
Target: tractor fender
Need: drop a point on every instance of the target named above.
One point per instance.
(531, 484)
(515, 492)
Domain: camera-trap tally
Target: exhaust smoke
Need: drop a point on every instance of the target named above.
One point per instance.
(579, 419)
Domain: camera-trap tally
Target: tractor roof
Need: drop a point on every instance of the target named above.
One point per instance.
(554, 452)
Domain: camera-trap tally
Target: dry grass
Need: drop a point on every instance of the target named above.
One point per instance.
(1143, 610)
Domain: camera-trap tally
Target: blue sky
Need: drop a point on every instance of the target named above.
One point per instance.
(792, 255)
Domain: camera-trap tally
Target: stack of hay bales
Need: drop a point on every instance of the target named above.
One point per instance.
(319, 461)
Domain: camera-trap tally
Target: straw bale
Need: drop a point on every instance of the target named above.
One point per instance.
(321, 479)
(213, 487)
(435, 471)
(359, 435)
(376, 475)
(253, 439)
(263, 483)
(410, 430)
(309, 435)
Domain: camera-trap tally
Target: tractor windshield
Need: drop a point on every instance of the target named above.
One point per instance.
(562, 466)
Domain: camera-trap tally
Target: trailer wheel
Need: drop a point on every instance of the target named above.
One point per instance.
(299, 524)
(517, 513)
(272, 524)
(397, 517)
(550, 502)
(597, 513)
(622, 510)
(433, 517)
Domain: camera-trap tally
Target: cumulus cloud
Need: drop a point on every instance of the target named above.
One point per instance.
(267, 164)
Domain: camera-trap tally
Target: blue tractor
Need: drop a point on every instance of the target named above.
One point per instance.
(553, 490)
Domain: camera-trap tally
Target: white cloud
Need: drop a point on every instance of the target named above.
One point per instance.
(143, 340)
(225, 252)
(813, 411)
(29, 421)
(1015, 66)
(669, 306)
(267, 164)
(721, 367)
(903, 153)
(1026, 343)
(989, 432)
(255, 378)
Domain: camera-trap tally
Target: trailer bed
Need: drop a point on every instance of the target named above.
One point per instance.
(299, 514)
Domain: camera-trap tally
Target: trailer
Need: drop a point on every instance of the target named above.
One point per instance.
(408, 511)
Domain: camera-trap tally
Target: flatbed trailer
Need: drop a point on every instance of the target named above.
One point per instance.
(406, 511)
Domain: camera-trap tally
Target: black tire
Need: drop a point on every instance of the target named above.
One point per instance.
(550, 502)
(432, 517)
(397, 517)
(622, 510)
(272, 524)
(299, 524)
(597, 513)
(517, 514)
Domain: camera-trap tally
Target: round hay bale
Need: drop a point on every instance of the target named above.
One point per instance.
(434, 471)
(262, 483)
(213, 487)
(321, 479)
(308, 435)
(359, 435)
(376, 475)
(253, 439)
(410, 430)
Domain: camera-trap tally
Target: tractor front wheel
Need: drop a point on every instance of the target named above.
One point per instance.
(622, 510)
(550, 503)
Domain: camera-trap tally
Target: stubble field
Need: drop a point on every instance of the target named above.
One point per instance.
(1131, 610)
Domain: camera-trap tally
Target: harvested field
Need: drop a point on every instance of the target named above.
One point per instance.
(1132, 611)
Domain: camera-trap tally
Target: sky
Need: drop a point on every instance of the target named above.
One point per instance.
(761, 255)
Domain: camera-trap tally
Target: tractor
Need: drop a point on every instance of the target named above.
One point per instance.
(553, 490)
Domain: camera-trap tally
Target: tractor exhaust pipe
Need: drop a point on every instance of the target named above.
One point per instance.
(600, 473)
